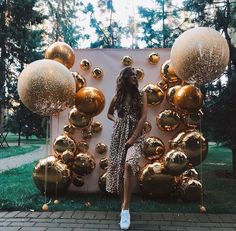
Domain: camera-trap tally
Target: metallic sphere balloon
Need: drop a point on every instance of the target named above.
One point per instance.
(153, 58)
(83, 146)
(85, 64)
(96, 127)
(78, 119)
(127, 61)
(97, 73)
(80, 81)
(101, 148)
(78, 181)
(64, 143)
(155, 95)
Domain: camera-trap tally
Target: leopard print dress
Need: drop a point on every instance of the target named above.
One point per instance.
(122, 130)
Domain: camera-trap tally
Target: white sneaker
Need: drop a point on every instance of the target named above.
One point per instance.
(124, 219)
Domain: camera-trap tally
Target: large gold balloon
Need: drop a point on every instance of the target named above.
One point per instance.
(153, 58)
(140, 73)
(127, 61)
(97, 73)
(154, 182)
(53, 174)
(83, 164)
(153, 148)
(83, 146)
(90, 101)
(67, 157)
(188, 99)
(96, 127)
(85, 64)
(192, 190)
(168, 74)
(101, 148)
(192, 120)
(78, 181)
(155, 95)
(79, 120)
(147, 127)
(46, 87)
(168, 120)
(62, 53)
(170, 94)
(103, 163)
(175, 162)
(80, 81)
(64, 143)
(102, 182)
(200, 55)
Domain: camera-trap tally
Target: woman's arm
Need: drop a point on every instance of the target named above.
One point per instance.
(111, 110)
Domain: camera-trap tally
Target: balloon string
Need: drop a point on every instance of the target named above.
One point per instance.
(201, 169)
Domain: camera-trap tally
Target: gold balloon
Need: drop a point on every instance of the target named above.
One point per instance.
(96, 127)
(83, 146)
(176, 141)
(56, 178)
(170, 94)
(192, 120)
(127, 61)
(154, 182)
(168, 120)
(200, 55)
(147, 127)
(190, 173)
(163, 85)
(102, 182)
(175, 162)
(155, 95)
(188, 99)
(85, 64)
(80, 81)
(78, 181)
(153, 148)
(97, 73)
(79, 120)
(90, 101)
(83, 164)
(167, 73)
(64, 143)
(101, 148)
(103, 163)
(62, 53)
(46, 87)
(68, 129)
(86, 133)
(153, 58)
(67, 157)
(140, 73)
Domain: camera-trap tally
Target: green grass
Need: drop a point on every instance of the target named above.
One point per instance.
(18, 191)
(13, 138)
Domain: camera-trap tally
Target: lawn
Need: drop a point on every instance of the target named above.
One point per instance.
(13, 138)
(19, 193)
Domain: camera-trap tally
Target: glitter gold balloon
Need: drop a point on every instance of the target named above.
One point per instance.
(140, 73)
(153, 58)
(62, 53)
(192, 190)
(103, 163)
(68, 129)
(80, 81)
(102, 182)
(170, 94)
(46, 87)
(168, 120)
(97, 73)
(192, 120)
(83, 164)
(83, 146)
(147, 127)
(85, 64)
(188, 99)
(96, 127)
(67, 157)
(86, 133)
(57, 178)
(175, 162)
(64, 143)
(101, 148)
(90, 101)
(200, 55)
(153, 148)
(154, 94)
(79, 120)
(167, 73)
(163, 85)
(127, 61)
(78, 181)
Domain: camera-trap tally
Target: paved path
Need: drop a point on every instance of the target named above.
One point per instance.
(17, 161)
(99, 221)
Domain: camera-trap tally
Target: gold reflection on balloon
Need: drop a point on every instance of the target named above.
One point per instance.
(79, 120)
(102, 182)
(83, 164)
(176, 141)
(64, 143)
(163, 85)
(188, 98)
(103, 163)
(175, 162)
(140, 73)
(168, 120)
(90, 101)
(192, 120)
(62, 53)
(67, 157)
(101, 148)
(96, 127)
(83, 146)
(57, 178)
(46, 87)
(147, 127)
(153, 58)
(80, 81)
(78, 181)
(85, 64)
(86, 133)
(170, 94)
(167, 73)
(154, 182)
(68, 129)
(97, 73)
(153, 148)
(127, 61)
(155, 95)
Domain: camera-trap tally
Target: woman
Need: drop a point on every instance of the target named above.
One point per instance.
(127, 138)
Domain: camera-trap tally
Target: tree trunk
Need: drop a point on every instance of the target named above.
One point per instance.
(19, 134)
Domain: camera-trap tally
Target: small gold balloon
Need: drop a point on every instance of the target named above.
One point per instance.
(97, 73)
(63, 143)
(163, 85)
(192, 120)
(190, 173)
(153, 58)
(78, 119)
(202, 209)
(96, 127)
(86, 133)
(68, 129)
(80, 81)
(168, 120)
(140, 73)
(67, 157)
(103, 163)
(78, 181)
(167, 73)
(45, 207)
(83, 146)
(83, 164)
(153, 148)
(155, 95)
(62, 53)
(90, 101)
(127, 61)
(170, 94)
(102, 182)
(85, 64)
(101, 148)
(147, 127)
(56, 202)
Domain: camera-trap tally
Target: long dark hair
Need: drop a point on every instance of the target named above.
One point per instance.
(125, 88)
